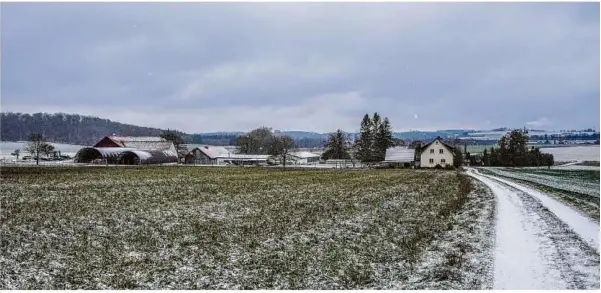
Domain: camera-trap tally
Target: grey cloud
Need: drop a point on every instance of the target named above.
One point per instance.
(452, 64)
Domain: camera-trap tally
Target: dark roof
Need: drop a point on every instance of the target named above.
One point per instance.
(450, 147)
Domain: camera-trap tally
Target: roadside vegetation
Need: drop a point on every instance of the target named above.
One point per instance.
(576, 188)
(242, 228)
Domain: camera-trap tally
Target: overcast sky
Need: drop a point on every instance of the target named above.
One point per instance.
(202, 67)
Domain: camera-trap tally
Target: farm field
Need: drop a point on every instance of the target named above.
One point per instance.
(239, 228)
(576, 187)
(575, 153)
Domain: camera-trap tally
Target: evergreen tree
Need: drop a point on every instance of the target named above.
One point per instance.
(494, 157)
(485, 158)
(383, 140)
(458, 158)
(376, 121)
(364, 144)
(337, 146)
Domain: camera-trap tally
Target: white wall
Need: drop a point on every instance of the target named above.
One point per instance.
(426, 155)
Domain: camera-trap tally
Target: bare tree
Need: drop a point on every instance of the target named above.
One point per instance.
(16, 153)
(257, 141)
(37, 146)
(280, 146)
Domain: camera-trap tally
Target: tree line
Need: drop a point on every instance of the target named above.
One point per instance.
(375, 137)
(262, 141)
(512, 151)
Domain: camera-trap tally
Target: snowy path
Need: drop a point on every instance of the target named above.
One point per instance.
(539, 243)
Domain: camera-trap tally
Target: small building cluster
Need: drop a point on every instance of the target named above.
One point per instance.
(432, 155)
(128, 150)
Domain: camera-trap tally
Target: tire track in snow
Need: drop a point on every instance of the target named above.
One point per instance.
(535, 248)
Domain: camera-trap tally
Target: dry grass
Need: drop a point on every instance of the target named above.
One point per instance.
(214, 228)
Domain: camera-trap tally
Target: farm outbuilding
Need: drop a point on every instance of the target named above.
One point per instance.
(303, 158)
(400, 156)
(136, 142)
(109, 155)
(215, 155)
(146, 157)
(204, 155)
(129, 150)
(124, 156)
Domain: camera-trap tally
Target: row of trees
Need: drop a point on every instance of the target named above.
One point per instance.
(375, 137)
(513, 152)
(262, 141)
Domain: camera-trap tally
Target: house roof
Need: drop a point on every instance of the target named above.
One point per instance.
(448, 146)
(244, 157)
(400, 155)
(304, 155)
(212, 151)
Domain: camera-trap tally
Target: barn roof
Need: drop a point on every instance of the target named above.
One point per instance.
(304, 155)
(244, 157)
(143, 142)
(400, 155)
(152, 156)
(211, 151)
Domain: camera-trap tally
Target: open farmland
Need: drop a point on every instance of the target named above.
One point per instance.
(577, 188)
(574, 153)
(236, 228)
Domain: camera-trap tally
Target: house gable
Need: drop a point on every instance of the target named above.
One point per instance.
(436, 153)
(107, 142)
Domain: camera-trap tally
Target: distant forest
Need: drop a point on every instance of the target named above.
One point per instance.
(87, 130)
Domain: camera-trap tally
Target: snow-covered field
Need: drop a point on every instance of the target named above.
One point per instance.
(575, 153)
(578, 189)
(242, 228)
(7, 147)
(580, 181)
(540, 242)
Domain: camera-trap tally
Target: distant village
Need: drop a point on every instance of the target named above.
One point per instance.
(374, 146)
(127, 150)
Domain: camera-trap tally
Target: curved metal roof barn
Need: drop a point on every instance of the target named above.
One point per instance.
(145, 157)
(89, 154)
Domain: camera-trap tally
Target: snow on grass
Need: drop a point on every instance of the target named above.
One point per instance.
(578, 189)
(461, 258)
(575, 153)
(220, 228)
(580, 181)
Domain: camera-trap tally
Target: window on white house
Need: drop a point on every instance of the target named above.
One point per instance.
(431, 161)
(440, 151)
(443, 161)
(432, 151)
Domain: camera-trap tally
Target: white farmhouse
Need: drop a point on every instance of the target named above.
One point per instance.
(436, 153)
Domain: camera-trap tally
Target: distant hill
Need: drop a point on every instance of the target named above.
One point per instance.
(86, 130)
